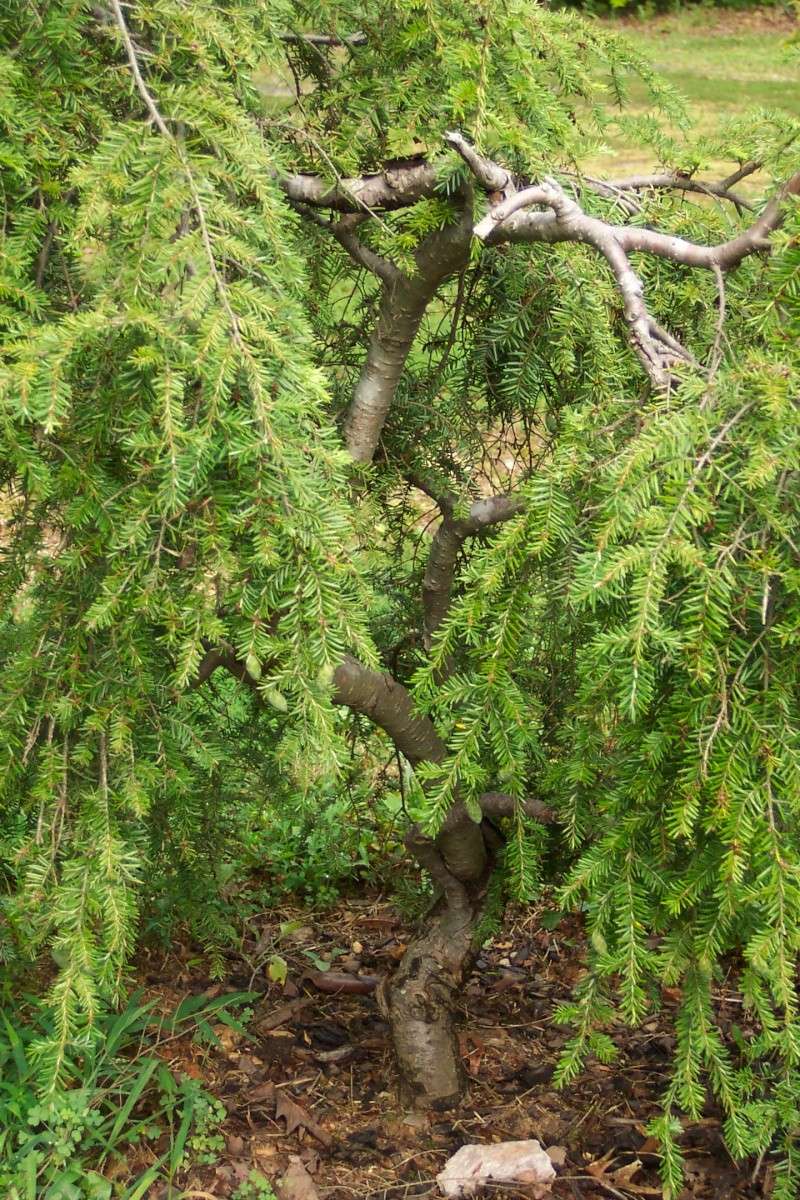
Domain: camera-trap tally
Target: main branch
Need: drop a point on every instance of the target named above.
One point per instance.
(404, 300)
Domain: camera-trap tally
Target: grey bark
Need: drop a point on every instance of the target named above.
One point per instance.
(394, 187)
(437, 584)
(404, 299)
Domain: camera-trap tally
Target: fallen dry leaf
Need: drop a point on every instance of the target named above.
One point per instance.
(622, 1178)
(600, 1166)
(297, 1118)
(262, 1093)
(297, 1184)
(280, 1015)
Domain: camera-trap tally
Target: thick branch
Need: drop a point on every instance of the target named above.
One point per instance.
(427, 855)
(437, 584)
(344, 232)
(500, 804)
(404, 300)
(564, 221)
(459, 846)
(373, 693)
(388, 704)
(395, 187)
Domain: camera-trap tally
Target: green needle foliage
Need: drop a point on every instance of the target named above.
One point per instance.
(179, 345)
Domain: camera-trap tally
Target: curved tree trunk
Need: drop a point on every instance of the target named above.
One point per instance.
(421, 997)
(420, 1004)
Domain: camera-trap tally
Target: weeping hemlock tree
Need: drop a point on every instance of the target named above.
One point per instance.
(253, 335)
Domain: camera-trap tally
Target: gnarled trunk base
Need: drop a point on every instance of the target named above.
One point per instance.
(420, 1002)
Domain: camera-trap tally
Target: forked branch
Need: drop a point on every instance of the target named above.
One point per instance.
(437, 584)
(559, 218)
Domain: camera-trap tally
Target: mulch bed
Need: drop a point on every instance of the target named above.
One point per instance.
(314, 1076)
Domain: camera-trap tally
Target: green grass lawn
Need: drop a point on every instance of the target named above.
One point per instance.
(722, 62)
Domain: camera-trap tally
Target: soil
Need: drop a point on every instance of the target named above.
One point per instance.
(329, 1054)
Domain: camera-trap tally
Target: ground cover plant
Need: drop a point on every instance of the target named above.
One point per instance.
(282, 285)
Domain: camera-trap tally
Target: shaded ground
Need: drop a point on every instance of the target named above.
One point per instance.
(329, 1055)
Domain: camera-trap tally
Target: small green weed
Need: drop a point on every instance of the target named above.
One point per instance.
(255, 1187)
(60, 1146)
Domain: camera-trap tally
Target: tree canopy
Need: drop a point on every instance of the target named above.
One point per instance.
(277, 280)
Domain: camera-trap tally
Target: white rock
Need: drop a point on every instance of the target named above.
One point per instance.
(473, 1166)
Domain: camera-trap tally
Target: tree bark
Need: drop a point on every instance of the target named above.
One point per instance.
(421, 997)
(420, 1003)
(404, 300)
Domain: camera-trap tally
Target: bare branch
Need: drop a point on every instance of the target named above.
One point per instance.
(742, 172)
(395, 187)
(344, 232)
(658, 351)
(567, 222)
(374, 694)
(459, 848)
(668, 181)
(563, 220)
(326, 39)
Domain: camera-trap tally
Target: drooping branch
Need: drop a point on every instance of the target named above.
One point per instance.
(437, 583)
(404, 300)
(388, 705)
(561, 219)
(344, 232)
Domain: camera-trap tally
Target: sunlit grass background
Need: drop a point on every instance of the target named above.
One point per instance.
(724, 63)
